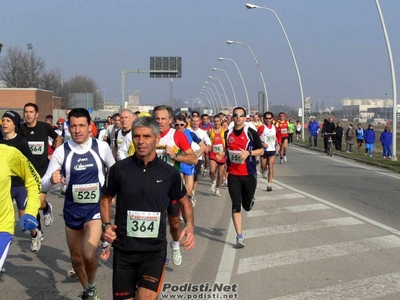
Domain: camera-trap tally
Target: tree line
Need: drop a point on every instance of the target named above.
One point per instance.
(23, 68)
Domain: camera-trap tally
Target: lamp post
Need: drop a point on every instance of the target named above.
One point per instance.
(394, 89)
(226, 97)
(252, 6)
(244, 85)
(204, 96)
(211, 97)
(213, 94)
(230, 82)
(220, 100)
(229, 42)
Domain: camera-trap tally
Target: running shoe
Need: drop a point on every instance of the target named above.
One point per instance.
(176, 255)
(3, 270)
(92, 293)
(36, 242)
(264, 174)
(105, 251)
(281, 161)
(224, 183)
(71, 273)
(217, 193)
(239, 243)
(284, 158)
(193, 200)
(212, 187)
(269, 188)
(48, 216)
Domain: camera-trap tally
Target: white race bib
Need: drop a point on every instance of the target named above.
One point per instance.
(142, 224)
(37, 148)
(234, 157)
(162, 154)
(284, 130)
(218, 148)
(86, 193)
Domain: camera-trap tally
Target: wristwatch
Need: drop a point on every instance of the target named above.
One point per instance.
(105, 225)
(250, 151)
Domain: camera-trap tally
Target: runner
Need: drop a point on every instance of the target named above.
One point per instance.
(282, 127)
(12, 137)
(82, 161)
(14, 163)
(139, 233)
(242, 144)
(127, 117)
(298, 130)
(37, 134)
(173, 148)
(267, 135)
(217, 156)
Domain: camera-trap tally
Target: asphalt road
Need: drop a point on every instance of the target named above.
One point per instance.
(329, 230)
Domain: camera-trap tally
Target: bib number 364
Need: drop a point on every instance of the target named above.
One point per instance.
(143, 224)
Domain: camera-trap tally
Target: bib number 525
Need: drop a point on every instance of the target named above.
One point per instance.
(87, 195)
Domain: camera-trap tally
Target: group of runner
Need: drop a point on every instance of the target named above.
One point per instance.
(92, 179)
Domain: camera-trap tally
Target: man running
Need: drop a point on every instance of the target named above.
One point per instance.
(145, 187)
(173, 148)
(282, 127)
(267, 135)
(14, 163)
(83, 161)
(37, 134)
(217, 156)
(242, 144)
(127, 117)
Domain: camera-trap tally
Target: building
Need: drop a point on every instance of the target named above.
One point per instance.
(134, 98)
(16, 98)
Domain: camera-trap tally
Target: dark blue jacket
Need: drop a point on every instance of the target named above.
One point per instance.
(313, 128)
(369, 136)
(386, 138)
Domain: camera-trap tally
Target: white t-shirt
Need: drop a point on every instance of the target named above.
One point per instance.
(203, 136)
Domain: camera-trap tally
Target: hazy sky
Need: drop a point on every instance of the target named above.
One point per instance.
(339, 44)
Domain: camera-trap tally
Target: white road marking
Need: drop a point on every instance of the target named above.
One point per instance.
(306, 226)
(273, 197)
(288, 209)
(290, 257)
(368, 220)
(228, 258)
(367, 288)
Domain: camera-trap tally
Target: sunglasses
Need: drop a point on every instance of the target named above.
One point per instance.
(59, 123)
(281, 116)
(181, 125)
(239, 115)
(268, 118)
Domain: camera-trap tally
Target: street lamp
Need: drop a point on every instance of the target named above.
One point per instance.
(252, 6)
(211, 97)
(230, 82)
(244, 85)
(258, 66)
(205, 96)
(212, 92)
(394, 89)
(206, 82)
(226, 97)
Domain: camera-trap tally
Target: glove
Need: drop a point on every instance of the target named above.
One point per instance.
(28, 222)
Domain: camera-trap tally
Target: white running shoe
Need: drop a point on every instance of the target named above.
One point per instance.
(176, 255)
(193, 200)
(239, 243)
(217, 193)
(36, 241)
(264, 174)
(71, 273)
(48, 216)
(212, 188)
(281, 161)
(284, 158)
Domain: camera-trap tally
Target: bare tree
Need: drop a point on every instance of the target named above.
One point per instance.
(1, 46)
(81, 84)
(22, 69)
(52, 81)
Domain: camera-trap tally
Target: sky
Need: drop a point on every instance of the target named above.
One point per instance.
(339, 45)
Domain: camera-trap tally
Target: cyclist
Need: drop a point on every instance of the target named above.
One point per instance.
(328, 129)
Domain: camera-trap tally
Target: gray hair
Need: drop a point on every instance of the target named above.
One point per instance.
(127, 110)
(147, 122)
(163, 107)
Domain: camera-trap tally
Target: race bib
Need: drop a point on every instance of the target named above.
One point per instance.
(142, 224)
(269, 138)
(37, 148)
(86, 193)
(218, 148)
(284, 130)
(234, 157)
(162, 154)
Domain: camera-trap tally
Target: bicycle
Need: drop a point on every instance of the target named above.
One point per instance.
(329, 150)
